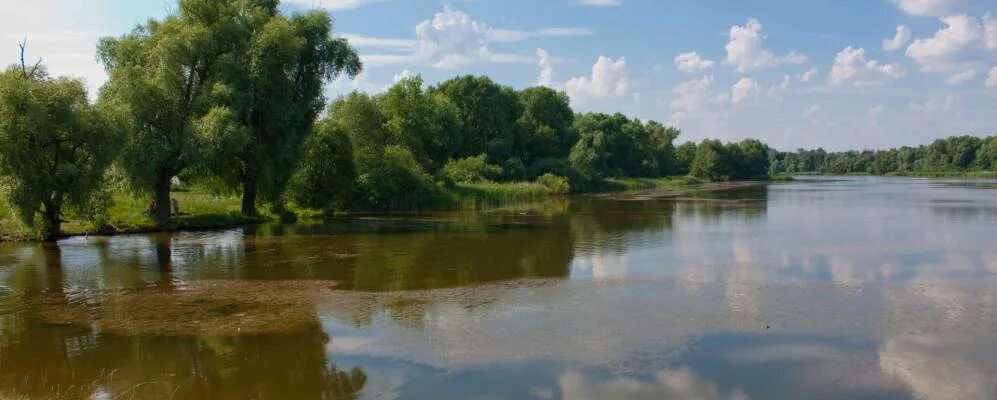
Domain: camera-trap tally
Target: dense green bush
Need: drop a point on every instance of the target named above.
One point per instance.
(471, 170)
(327, 175)
(396, 182)
(578, 180)
(557, 185)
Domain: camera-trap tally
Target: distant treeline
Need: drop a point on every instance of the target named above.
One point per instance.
(228, 94)
(956, 154)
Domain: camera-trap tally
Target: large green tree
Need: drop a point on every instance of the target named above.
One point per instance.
(488, 113)
(174, 79)
(285, 62)
(711, 162)
(546, 125)
(425, 123)
(54, 147)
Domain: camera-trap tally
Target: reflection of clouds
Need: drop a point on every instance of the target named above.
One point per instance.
(941, 368)
(604, 266)
(680, 383)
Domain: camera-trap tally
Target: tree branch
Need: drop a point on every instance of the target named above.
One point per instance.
(24, 67)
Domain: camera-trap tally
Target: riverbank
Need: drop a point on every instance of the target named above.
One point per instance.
(914, 174)
(207, 211)
(947, 174)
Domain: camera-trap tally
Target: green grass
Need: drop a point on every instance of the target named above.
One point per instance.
(127, 215)
(478, 196)
(629, 184)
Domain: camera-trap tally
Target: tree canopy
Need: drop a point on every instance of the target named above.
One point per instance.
(54, 147)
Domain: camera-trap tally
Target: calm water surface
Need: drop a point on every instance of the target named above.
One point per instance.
(822, 288)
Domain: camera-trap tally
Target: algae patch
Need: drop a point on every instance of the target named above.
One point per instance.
(213, 308)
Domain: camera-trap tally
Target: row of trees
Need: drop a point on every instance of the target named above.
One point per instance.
(400, 149)
(952, 154)
(229, 94)
(223, 91)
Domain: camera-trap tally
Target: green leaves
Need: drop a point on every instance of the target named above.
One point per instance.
(54, 147)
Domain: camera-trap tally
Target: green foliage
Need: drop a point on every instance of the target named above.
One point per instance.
(613, 145)
(947, 156)
(283, 63)
(546, 124)
(471, 170)
(166, 76)
(477, 196)
(513, 169)
(557, 185)
(986, 156)
(327, 176)
(578, 180)
(426, 124)
(710, 162)
(54, 148)
(488, 113)
(957, 152)
(751, 159)
(395, 181)
(684, 155)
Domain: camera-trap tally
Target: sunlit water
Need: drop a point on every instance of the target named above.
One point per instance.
(822, 288)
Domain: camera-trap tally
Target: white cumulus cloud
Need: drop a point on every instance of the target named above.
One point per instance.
(933, 8)
(546, 65)
(809, 75)
(960, 33)
(742, 90)
(850, 65)
(962, 77)
(610, 79)
(745, 51)
(692, 62)
(899, 40)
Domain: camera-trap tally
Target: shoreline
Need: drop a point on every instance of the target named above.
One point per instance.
(668, 186)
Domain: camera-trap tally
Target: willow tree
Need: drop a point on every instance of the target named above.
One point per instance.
(174, 80)
(285, 63)
(54, 147)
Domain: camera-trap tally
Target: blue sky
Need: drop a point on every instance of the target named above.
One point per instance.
(839, 74)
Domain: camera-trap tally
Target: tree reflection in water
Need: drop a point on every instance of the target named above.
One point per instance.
(40, 360)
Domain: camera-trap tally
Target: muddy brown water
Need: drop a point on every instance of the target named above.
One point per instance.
(879, 288)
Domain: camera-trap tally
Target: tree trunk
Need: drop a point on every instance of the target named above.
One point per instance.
(162, 198)
(51, 218)
(249, 198)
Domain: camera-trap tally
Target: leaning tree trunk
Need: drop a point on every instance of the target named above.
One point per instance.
(162, 198)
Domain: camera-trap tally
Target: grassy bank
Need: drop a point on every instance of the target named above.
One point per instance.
(199, 211)
(202, 211)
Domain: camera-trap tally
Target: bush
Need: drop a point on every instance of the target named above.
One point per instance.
(396, 181)
(578, 181)
(557, 185)
(327, 175)
(513, 170)
(471, 170)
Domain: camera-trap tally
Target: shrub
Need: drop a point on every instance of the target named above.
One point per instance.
(557, 185)
(579, 181)
(327, 175)
(471, 170)
(513, 169)
(396, 181)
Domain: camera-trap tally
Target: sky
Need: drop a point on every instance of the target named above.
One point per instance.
(842, 74)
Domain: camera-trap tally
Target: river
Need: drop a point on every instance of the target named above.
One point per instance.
(826, 287)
